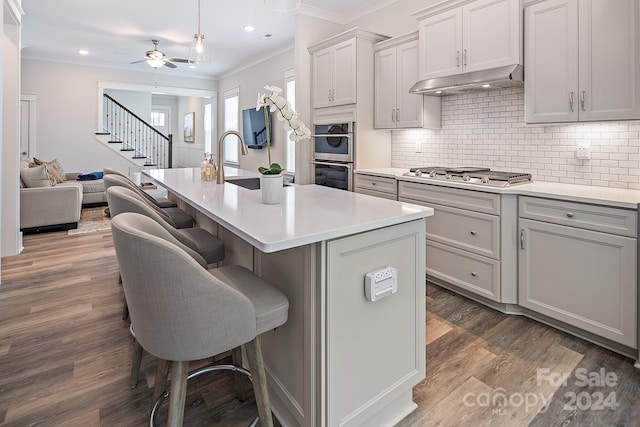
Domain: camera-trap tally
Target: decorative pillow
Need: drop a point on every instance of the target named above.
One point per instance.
(55, 169)
(37, 176)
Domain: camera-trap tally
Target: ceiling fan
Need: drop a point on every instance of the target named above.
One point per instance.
(157, 59)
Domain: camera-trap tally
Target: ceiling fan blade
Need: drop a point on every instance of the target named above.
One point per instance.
(170, 65)
(184, 61)
(137, 62)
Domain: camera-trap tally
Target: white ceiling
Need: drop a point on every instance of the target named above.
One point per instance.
(117, 32)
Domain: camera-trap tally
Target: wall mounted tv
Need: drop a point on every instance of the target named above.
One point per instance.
(254, 129)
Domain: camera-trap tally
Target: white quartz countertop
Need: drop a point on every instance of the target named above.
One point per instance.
(616, 197)
(307, 214)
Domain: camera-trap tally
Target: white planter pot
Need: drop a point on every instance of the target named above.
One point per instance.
(271, 189)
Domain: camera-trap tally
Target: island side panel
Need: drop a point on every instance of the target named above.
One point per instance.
(375, 351)
(288, 351)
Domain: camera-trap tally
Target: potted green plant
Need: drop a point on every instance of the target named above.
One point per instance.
(271, 177)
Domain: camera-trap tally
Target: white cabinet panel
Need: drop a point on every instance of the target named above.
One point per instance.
(385, 88)
(582, 60)
(584, 278)
(478, 35)
(409, 106)
(322, 64)
(334, 75)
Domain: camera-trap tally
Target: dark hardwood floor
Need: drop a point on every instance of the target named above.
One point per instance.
(65, 357)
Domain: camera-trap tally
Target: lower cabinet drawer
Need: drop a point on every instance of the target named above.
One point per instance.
(475, 273)
(376, 183)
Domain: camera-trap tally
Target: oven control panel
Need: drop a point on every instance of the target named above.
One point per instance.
(381, 283)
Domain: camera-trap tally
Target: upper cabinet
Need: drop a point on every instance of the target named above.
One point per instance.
(465, 36)
(334, 67)
(582, 60)
(396, 71)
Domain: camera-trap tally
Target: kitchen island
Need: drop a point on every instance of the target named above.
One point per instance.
(340, 359)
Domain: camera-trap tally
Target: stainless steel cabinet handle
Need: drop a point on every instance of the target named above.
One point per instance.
(473, 233)
(329, 95)
(464, 58)
(569, 214)
(571, 100)
(582, 98)
(457, 58)
(521, 239)
(474, 274)
(397, 115)
(393, 115)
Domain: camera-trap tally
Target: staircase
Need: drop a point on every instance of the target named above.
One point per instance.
(134, 138)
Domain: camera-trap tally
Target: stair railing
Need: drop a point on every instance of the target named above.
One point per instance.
(137, 135)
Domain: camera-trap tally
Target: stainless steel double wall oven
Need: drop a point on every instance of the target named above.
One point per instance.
(334, 155)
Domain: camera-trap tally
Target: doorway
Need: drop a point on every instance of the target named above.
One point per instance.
(161, 118)
(27, 126)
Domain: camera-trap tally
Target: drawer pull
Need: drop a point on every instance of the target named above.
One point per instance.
(569, 214)
(474, 274)
(473, 233)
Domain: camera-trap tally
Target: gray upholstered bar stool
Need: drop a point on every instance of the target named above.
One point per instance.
(121, 199)
(182, 312)
(174, 216)
(160, 201)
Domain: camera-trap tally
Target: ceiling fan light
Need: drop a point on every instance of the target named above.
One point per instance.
(283, 5)
(155, 63)
(199, 53)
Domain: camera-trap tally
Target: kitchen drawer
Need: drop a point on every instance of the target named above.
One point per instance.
(376, 193)
(589, 217)
(472, 231)
(464, 199)
(475, 273)
(376, 183)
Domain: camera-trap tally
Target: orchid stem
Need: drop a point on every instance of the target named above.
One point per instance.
(266, 122)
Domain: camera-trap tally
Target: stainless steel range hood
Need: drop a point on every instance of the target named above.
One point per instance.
(508, 76)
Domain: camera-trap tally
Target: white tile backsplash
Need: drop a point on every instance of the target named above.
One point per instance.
(487, 129)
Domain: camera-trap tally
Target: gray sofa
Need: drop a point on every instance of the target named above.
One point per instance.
(59, 206)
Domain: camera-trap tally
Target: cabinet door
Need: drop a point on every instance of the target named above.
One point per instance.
(344, 73)
(322, 66)
(584, 278)
(609, 59)
(441, 44)
(385, 89)
(490, 34)
(408, 105)
(551, 58)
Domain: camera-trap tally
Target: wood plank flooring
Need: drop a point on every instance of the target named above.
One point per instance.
(65, 356)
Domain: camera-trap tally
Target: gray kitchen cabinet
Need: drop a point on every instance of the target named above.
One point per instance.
(470, 239)
(464, 36)
(396, 71)
(375, 185)
(577, 265)
(334, 67)
(582, 60)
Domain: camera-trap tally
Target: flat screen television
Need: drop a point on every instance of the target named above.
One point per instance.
(254, 129)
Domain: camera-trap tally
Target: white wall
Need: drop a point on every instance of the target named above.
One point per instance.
(487, 129)
(189, 154)
(251, 82)
(138, 103)
(68, 109)
(395, 19)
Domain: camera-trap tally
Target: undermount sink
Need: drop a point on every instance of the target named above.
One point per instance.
(249, 183)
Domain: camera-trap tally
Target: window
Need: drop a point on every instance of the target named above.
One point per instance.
(157, 118)
(231, 122)
(207, 128)
(290, 94)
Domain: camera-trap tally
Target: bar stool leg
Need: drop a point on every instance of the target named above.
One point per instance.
(178, 394)
(136, 360)
(256, 366)
(161, 379)
(242, 391)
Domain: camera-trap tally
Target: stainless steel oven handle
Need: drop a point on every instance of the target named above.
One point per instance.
(334, 135)
(344, 165)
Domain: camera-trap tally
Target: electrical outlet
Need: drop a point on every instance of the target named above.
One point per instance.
(419, 147)
(583, 152)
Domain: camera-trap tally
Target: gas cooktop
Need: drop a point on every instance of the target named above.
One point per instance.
(471, 175)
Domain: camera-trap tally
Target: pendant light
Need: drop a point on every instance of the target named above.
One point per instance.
(199, 53)
(283, 5)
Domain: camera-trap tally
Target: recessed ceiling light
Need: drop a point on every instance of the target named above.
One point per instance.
(266, 36)
(438, 91)
(486, 85)
(83, 51)
(248, 28)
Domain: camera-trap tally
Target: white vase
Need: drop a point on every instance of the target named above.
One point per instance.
(271, 189)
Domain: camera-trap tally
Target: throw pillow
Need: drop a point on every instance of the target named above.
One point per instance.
(55, 169)
(58, 167)
(37, 176)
